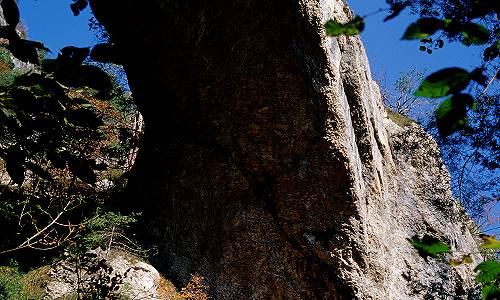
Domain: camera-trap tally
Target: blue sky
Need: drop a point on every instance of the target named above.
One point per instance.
(389, 54)
(53, 23)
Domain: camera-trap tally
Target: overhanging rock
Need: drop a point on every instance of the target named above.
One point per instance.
(269, 165)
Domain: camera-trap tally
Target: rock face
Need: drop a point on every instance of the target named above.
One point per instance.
(139, 280)
(269, 165)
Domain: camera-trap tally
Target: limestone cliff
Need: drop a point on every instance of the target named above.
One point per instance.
(269, 165)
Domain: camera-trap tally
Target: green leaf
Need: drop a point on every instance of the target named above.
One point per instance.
(451, 114)
(489, 271)
(490, 292)
(474, 34)
(429, 246)
(423, 28)
(443, 82)
(353, 27)
(490, 242)
(83, 103)
(334, 28)
(422, 48)
(41, 85)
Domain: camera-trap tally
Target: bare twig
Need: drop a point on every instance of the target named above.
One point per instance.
(43, 233)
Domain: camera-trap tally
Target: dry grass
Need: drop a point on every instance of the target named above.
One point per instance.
(195, 289)
(166, 290)
(36, 280)
(399, 119)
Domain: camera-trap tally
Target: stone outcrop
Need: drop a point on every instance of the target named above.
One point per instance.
(269, 165)
(138, 280)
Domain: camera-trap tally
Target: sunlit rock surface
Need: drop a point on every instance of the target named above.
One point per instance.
(138, 280)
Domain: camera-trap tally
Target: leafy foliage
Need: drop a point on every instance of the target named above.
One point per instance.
(423, 28)
(456, 22)
(471, 156)
(452, 113)
(66, 134)
(489, 271)
(65, 141)
(443, 82)
(461, 11)
(100, 230)
(353, 27)
(38, 119)
(429, 246)
(472, 33)
(491, 292)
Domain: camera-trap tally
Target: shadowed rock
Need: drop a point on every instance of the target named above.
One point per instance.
(269, 165)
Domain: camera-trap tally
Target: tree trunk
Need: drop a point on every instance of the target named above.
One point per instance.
(268, 165)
